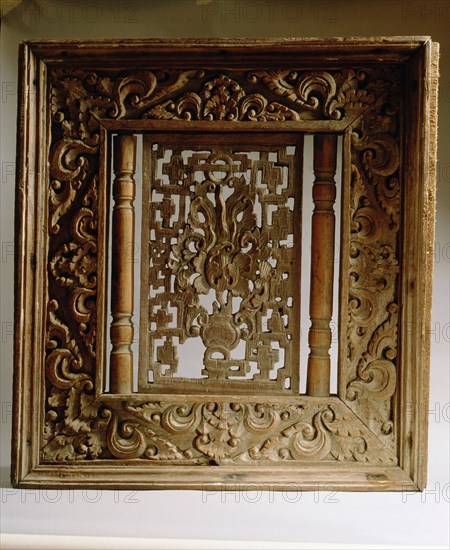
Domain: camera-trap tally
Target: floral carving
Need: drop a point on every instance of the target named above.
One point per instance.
(217, 246)
(69, 168)
(63, 362)
(331, 433)
(225, 432)
(222, 99)
(218, 262)
(74, 266)
(127, 439)
(71, 430)
(376, 370)
(380, 159)
(327, 95)
(80, 426)
(370, 369)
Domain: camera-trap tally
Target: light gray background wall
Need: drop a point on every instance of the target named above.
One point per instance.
(343, 518)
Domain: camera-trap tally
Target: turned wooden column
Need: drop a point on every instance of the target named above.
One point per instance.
(322, 265)
(122, 295)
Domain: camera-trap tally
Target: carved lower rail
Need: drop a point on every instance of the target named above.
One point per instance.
(219, 430)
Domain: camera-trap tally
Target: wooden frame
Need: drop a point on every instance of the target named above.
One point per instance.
(380, 95)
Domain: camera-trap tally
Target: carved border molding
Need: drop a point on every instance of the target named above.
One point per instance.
(78, 423)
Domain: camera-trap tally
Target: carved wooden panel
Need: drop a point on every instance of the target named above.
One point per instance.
(370, 362)
(223, 125)
(223, 229)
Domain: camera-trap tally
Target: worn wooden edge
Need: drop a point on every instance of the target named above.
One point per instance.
(228, 52)
(42, 145)
(404, 43)
(344, 260)
(308, 477)
(431, 82)
(282, 398)
(104, 177)
(144, 273)
(407, 273)
(149, 126)
(24, 435)
(429, 239)
(174, 42)
(30, 268)
(419, 151)
(18, 468)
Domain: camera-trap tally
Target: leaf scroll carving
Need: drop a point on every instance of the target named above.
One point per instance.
(71, 430)
(69, 168)
(74, 266)
(375, 193)
(321, 93)
(225, 432)
(82, 427)
(376, 370)
(222, 99)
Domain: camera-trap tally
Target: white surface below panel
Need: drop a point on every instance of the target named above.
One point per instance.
(50, 542)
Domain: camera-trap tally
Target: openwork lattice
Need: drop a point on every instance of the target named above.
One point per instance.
(221, 265)
(223, 125)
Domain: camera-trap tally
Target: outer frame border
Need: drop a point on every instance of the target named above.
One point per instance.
(420, 56)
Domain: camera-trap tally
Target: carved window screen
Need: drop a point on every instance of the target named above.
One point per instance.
(219, 263)
(223, 228)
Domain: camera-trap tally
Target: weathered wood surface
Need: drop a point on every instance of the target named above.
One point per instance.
(67, 430)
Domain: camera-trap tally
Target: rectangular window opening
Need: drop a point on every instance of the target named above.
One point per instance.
(220, 222)
(172, 237)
